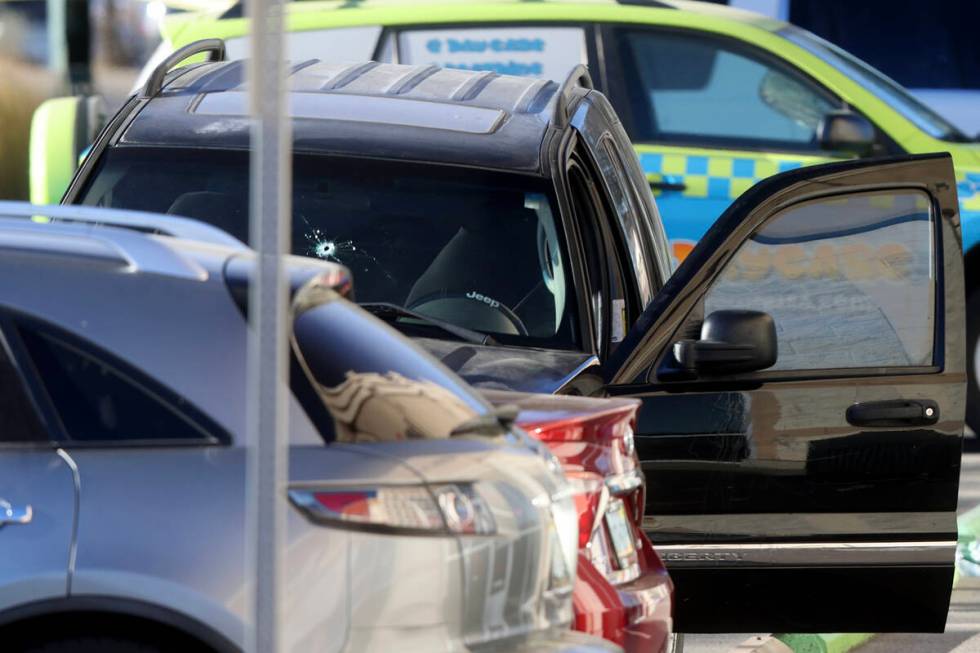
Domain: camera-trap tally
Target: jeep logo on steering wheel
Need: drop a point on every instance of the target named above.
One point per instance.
(492, 303)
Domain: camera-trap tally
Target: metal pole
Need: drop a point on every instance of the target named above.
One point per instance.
(57, 39)
(270, 191)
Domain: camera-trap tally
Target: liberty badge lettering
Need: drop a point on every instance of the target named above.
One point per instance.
(703, 556)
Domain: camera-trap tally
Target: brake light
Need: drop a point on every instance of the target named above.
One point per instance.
(451, 509)
(594, 440)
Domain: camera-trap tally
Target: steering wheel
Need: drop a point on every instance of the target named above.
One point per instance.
(471, 310)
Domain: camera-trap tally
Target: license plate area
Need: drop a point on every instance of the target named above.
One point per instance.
(617, 522)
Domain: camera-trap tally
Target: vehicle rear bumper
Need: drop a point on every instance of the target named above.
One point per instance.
(649, 622)
(637, 615)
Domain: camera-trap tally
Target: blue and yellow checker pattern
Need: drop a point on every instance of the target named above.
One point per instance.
(700, 185)
(712, 177)
(968, 190)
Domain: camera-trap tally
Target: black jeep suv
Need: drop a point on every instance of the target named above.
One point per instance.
(801, 373)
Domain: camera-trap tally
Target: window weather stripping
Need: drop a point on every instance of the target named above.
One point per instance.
(579, 77)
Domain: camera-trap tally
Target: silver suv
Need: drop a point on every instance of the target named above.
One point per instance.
(419, 521)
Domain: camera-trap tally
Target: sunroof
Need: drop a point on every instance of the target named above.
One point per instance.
(366, 108)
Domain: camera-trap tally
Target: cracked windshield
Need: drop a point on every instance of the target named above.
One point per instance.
(474, 249)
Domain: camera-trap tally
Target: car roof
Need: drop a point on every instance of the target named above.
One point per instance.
(420, 113)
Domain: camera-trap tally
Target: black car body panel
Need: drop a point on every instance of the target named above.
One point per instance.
(776, 456)
(776, 504)
(511, 368)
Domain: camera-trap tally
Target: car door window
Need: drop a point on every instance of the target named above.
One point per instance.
(850, 282)
(585, 205)
(18, 421)
(101, 400)
(633, 246)
(548, 52)
(693, 88)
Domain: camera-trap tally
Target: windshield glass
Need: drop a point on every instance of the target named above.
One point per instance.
(886, 89)
(474, 248)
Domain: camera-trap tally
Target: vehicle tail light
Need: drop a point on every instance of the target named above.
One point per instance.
(594, 440)
(450, 509)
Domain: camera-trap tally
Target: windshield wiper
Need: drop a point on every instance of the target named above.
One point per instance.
(391, 312)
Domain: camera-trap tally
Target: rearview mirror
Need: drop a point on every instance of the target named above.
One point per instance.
(845, 131)
(731, 342)
(62, 129)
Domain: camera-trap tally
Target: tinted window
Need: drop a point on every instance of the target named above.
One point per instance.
(432, 238)
(692, 88)
(373, 383)
(584, 203)
(98, 402)
(848, 281)
(18, 421)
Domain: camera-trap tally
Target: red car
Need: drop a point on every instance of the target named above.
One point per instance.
(623, 592)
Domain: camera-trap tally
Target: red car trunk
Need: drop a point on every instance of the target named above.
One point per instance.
(623, 592)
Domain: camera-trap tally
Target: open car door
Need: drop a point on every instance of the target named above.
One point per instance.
(803, 387)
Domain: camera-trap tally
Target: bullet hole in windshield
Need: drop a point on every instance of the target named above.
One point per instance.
(345, 252)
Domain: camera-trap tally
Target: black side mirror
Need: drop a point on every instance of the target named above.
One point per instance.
(731, 342)
(845, 131)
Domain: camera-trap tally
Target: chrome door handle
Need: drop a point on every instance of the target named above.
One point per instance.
(10, 514)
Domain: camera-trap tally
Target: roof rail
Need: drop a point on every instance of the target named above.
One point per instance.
(214, 47)
(578, 77)
(146, 223)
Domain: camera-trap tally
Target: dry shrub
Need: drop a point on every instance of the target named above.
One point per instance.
(22, 88)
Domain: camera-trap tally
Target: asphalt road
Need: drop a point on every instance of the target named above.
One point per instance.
(962, 626)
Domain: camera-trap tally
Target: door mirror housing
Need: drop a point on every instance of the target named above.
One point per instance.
(731, 342)
(846, 131)
(62, 130)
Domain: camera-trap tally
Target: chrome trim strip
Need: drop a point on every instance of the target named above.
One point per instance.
(799, 524)
(77, 481)
(809, 554)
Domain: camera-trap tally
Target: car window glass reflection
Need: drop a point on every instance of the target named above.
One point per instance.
(849, 281)
(371, 407)
(682, 80)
